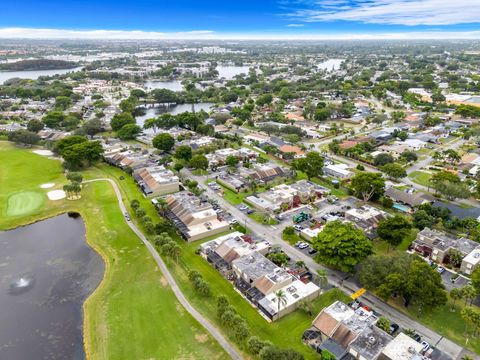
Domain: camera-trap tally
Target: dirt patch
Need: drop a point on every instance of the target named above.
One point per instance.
(163, 281)
(201, 338)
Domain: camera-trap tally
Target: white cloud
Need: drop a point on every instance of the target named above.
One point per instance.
(22, 33)
(397, 12)
(295, 25)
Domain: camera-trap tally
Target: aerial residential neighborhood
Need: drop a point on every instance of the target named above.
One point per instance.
(300, 182)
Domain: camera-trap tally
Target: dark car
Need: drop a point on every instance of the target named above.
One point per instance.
(312, 251)
(250, 211)
(417, 337)
(393, 328)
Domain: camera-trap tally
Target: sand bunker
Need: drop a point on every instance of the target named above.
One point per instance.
(43, 152)
(47, 185)
(56, 195)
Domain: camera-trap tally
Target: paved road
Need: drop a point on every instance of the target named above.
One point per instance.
(230, 350)
(273, 234)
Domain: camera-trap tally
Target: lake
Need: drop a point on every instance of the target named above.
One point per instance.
(33, 74)
(230, 71)
(173, 85)
(47, 270)
(174, 110)
(330, 65)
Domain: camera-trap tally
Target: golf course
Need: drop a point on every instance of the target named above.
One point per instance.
(133, 314)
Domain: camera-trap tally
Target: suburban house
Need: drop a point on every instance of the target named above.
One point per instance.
(337, 171)
(194, 219)
(129, 159)
(156, 180)
(221, 251)
(258, 173)
(286, 196)
(366, 218)
(437, 244)
(352, 334)
(410, 199)
(291, 149)
(258, 279)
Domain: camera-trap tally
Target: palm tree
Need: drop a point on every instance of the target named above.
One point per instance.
(281, 300)
(322, 277)
(300, 264)
(467, 316)
(455, 294)
(469, 293)
(162, 205)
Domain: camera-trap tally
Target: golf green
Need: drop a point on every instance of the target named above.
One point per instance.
(24, 203)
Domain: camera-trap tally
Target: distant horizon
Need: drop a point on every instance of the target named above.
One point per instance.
(196, 35)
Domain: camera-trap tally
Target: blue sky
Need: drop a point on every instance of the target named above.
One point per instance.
(241, 18)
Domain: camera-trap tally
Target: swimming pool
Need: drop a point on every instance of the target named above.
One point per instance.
(402, 208)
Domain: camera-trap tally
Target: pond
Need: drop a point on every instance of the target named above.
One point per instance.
(228, 72)
(47, 270)
(173, 85)
(156, 111)
(33, 74)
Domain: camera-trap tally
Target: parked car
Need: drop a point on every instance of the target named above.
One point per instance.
(242, 207)
(298, 227)
(441, 269)
(312, 251)
(393, 328)
(417, 337)
(250, 211)
(303, 246)
(233, 221)
(127, 217)
(425, 345)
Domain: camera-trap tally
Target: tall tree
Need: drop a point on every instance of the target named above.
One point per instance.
(163, 142)
(342, 245)
(394, 230)
(368, 186)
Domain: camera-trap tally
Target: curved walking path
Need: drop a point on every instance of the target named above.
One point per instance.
(229, 349)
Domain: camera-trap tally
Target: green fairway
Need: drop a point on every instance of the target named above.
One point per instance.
(133, 314)
(24, 203)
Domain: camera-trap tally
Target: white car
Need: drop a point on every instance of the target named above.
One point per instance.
(425, 345)
(233, 221)
(298, 228)
(303, 246)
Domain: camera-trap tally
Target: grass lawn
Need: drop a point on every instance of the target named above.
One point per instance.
(420, 177)
(444, 321)
(130, 315)
(259, 217)
(292, 239)
(285, 333)
(234, 198)
(24, 203)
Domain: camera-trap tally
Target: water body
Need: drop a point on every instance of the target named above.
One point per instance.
(33, 74)
(330, 65)
(230, 71)
(47, 270)
(173, 85)
(174, 110)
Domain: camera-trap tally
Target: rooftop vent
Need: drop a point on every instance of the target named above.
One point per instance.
(372, 341)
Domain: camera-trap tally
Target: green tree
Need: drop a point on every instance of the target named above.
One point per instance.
(469, 293)
(63, 102)
(151, 123)
(24, 137)
(422, 219)
(199, 162)
(384, 324)
(394, 171)
(281, 299)
(129, 132)
(342, 245)
(53, 119)
(75, 177)
(394, 229)
(232, 161)
(134, 204)
(163, 142)
(311, 164)
(383, 159)
(183, 152)
(35, 126)
(120, 120)
(455, 294)
(368, 186)
(375, 269)
(475, 279)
